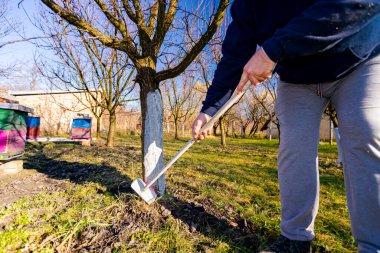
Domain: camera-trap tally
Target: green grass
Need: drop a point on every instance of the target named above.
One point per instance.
(218, 200)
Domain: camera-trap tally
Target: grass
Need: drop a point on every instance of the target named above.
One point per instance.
(218, 200)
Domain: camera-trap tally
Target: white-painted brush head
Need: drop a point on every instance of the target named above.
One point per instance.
(148, 195)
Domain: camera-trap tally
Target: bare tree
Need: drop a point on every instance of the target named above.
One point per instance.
(85, 64)
(89, 100)
(148, 34)
(331, 113)
(244, 117)
(250, 114)
(266, 95)
(207, 62)
(181, 99)
(7, 27)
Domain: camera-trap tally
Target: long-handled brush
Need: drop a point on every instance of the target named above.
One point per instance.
(145, 191)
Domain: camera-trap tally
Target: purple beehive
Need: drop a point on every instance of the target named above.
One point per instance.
(12, 130)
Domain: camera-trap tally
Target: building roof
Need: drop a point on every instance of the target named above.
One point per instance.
(15, 107)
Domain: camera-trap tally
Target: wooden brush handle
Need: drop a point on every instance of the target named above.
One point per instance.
(234, 99)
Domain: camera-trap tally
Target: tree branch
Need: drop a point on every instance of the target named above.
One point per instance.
(111, 17)
(197, 48)
(164, 21)
(126, 45)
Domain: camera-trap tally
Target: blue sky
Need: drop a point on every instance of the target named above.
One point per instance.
(20, 51)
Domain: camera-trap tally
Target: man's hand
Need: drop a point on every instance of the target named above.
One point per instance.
(199, 122)
(258, 69)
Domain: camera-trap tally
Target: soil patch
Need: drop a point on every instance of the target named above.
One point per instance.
(26, 183)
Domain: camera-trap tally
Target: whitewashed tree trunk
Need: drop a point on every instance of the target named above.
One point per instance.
(153, 139)
(337, 139)
(270, 130)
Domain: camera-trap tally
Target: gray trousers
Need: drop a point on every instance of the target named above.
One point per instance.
(299, 109)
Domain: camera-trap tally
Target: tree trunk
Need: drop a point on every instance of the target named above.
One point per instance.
(98, 127)
(265, 125)
(233, 130)
(242, 131)
(111, 130)
(334, 121)
(152, 133)
(222, 133)
(277, 123)
(214, 128)
(254, 129)
(270, 130)
(176, 129)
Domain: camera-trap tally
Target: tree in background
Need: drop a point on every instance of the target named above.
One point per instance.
(207, 62)
(181, 100)
(256, 108)
(331, 113)
(148, 32)
(250, 114)
(266, 95)
(8, 25)
(85, 64)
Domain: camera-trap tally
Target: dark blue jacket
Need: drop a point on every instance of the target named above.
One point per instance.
(312, 41)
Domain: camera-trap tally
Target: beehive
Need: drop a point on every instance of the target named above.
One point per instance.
(12, 130)
(81, 128)
(33, 127)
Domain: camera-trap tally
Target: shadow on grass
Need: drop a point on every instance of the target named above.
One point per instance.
(204, 218)
(241, 235)
(77, 172)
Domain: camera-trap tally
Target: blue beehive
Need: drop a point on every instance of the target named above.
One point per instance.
(33, 127)
(81, 128)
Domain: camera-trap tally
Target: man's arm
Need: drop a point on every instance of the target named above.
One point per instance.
(320, 27)
(238, 46)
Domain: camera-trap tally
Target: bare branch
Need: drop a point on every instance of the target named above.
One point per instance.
(197, 48)
(126, 44)
(164, 21)
(111, 17)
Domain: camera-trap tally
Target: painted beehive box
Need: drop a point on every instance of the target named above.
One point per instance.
(81, 128)
(32, 127)
(12, 130)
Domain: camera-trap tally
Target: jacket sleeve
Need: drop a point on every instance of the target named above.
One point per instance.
(321, 26)
(238, 46)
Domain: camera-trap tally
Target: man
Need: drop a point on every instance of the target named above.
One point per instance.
(323, 50)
